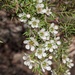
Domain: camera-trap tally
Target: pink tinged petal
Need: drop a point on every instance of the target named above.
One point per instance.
(50, 50)
(32, 48)
(58, 42)
(43, 70)
(44, 38)
(48, 68)
(50, 57)
(27, 46)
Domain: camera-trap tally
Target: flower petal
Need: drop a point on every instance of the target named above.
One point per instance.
(32, 48)
(27, 46)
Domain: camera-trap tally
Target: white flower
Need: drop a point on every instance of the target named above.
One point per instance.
(58, 43)
(50, 57)
(50, 45)
(34, 22)
(44, 34)
(44, 11)
(22, 20)
(53, 28)
(57, 38)
(45, 65)
(39, 8)
(40, 52)
(48, 11)
(27, 61)
(28, 15)
(21, 14)
(67, 61)
(70, 64)
(39, 1)
(31, 44)
(67, 72)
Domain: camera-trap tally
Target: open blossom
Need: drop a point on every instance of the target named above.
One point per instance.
(31, 44)
(28, 15)
(53, 28)
(50, 45)
(22, 17)
(40, 52)
(45, 65)
(67, 72)
(39, 8)
(21, 14)
(27, 61)
(34, 22)
(44, 34)
(47, 11)
(67, 61)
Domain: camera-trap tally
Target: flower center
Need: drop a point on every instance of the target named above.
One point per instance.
(51, 29)
(31, 43)
(44, 64)
(49, 45)
(34, 23)
(39, 9)
(39, 51)
(41, 34)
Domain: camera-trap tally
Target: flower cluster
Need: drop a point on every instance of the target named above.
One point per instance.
(40, 8)
(68, 62)
(43, 41)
